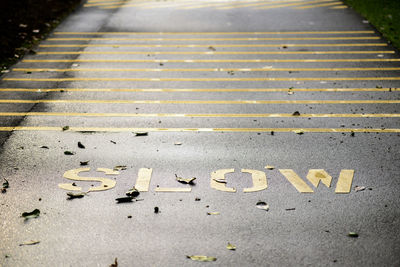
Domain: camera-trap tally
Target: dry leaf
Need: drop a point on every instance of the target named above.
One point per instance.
(115, 264)
(359, 188)
(72, 195)
(120, 168)
(141, 133)
(352, 234)
(80, 145)
(184, 180)
(230, 246)
(178, 143)
(201, 258)
(69, 153)
(29, 243)
(221, 181)
(33, 214)
(133, 192)
(269, 167)
(213, 213)
(124, 199)
(299, 132)
(262, 205)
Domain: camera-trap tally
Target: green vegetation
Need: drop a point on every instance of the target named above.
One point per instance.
(383, 14)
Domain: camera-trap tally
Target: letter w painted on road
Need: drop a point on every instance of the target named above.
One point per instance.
(315, 176)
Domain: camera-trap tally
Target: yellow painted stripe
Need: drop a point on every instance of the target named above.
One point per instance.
(168, 90)
(200, 69)
(214, 45)
(203, 115)
(113, 129)
(320, 5)
(212, 52)
(267, 79)
(291, 5)
(217, 39)
(211, 33)
(231, 102)
(208, 60)
(263, 3)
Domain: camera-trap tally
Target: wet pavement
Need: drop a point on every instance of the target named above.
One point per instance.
(290, 104)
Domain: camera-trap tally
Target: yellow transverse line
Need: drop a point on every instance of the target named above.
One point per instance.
(211, 52)
(125, 101)
(113, 129)
(215, 39)
(267, 69)
(213, 45)
(203, 115)
(203, 79)
(209, 60)
(39, 90)
(211, 33)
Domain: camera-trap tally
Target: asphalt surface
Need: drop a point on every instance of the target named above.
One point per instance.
(217, 88)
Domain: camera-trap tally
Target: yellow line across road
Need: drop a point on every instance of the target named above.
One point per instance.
(208, 60)
(204, 115)
(175, 90)
(216, 39)
(113, 129)
(96, 79)
(231, 102)
(211, 52)
(214, 45)
(267, 69)
(212, 33)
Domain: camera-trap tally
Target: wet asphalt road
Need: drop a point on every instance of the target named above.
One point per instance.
(218, 88)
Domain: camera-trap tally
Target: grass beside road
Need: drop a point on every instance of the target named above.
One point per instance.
(23, 23)
(383, 14)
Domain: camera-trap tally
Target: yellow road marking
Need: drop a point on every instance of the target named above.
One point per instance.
(204, 115)
(201, 69)
(214, 45)
(208, 60)
(339, 7)
(202, 79)
(217, 39)
(263, 3)
(210, 33)
(122, 101)
(320, 5)
(143, 180)
(343, 185)
(296, 181)
(212, 52)
(113, 129)
(167, 90)
(290, 5)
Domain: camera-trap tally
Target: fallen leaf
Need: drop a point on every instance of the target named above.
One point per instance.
(45, 147)
(120, 168)
(113, 142)
(352, 234)
(212, 48)
(269, 167)
(184, 180)
(141, 133)
(299, 132)
(213, 213)
(230, 246)
(156, 209)
(84, 163)
(359, 188)
(296, 113)
(115, 264)
(29, 243)
(33, 214)
(262, 205)
(80, 145)
(72, 195)
(23, 25)
(65, 128)
(201, 258)
(290, 92)
(124, 199)
(35, 31)
(6, 185)
(290, 209)
(178, 143)
(221, 181)
(133, 192)
(69, 153)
